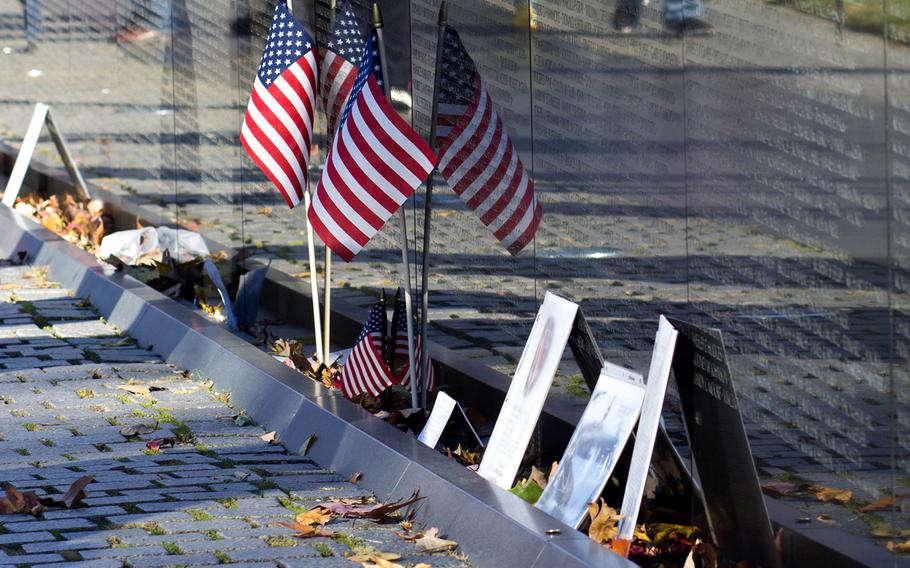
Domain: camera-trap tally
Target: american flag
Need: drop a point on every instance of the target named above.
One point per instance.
(476, 155)
(365, 370)
(376, 162)
(337, 73)
(278, 125)
(400, 359)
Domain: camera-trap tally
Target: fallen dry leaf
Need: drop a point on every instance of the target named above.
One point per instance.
(375, 511)
(76, 492)
(899, 547)
(780, 488)
(369, 554)
(356, 477)
(379, 562)
(825, 494)
(315, 516)
(826, 519)
(140, 389)
(431, 542)
(16, 501)
(156, 445)
(422, 565)
(887, 531)
(603, 522)
(305, 531)
(269, 437)
(883, 503)
(538, 476)
(136, 430)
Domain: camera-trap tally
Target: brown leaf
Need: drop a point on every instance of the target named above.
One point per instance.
(603, 522)
(315, 516)
(269, 438)
(356, 477)
(20, 502)
(369, 554)
(825, 494)
(883, 503)
(899, 547)
(140, 389)
(376, 511)
(305, 531)
(422, 565)
(779, 488)
(538, 476)
(431, 542)
(136, 430)
(379, 562)
(76, 493)
(826, 519)
(885, 530)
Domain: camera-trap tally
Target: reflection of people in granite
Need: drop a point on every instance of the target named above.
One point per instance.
(33, 23)
(679, 15)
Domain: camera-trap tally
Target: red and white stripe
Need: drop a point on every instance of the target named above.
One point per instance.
(405, 375)
(481, 165)
(336, 78)
(376, 162)
(278, 127)
(365, 370)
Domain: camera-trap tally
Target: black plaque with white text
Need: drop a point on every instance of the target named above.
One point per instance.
(720, 449)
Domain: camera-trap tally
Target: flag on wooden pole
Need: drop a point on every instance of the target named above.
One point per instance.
(476, 155)
(339, 58)
(278, 125)
(376, 162)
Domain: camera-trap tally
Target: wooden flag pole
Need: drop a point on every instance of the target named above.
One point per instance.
(405, 263)
(327, 305)
(427, 213)
(311, 249)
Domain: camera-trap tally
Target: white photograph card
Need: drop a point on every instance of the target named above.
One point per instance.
(595, 447)
(528, 391)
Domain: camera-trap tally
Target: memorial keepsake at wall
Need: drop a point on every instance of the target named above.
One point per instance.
(738, 164)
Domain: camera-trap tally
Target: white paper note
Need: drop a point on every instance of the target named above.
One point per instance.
(646, 434)
(436, 423)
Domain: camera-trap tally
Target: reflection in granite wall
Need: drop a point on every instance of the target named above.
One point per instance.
(751, 173)
(898, 169)
(786, 199)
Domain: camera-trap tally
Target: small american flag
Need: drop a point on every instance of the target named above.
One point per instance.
(476, 155)
(400, 360)
(376, 162)
(278, 125)
(337, 73)
(365, 370)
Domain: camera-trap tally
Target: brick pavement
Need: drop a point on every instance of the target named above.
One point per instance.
(210, 500)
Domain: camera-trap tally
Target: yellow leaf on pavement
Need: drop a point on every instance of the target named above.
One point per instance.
(315, 516)
(826, 494)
